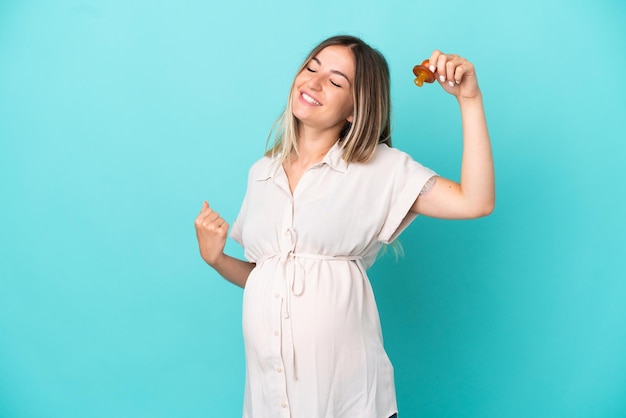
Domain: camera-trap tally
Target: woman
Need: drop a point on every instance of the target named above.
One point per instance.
(318, 207)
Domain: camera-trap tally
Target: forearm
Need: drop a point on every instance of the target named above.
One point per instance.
(477, 172)
(232, 269)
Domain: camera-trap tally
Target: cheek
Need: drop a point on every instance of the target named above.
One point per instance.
(348, 106)
(300, 79)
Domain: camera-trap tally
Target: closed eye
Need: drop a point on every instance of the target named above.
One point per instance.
(334, 84)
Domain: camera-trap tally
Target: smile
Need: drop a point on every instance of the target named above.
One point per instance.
(310, 100)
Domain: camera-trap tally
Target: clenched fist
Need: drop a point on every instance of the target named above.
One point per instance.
(211, 231)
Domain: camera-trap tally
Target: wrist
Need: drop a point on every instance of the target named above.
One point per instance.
(471, 105)
(215, 260)
(476, 99)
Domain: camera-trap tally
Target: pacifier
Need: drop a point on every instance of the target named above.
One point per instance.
(423, 74)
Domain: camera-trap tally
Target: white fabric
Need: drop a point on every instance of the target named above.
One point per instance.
(312, 334)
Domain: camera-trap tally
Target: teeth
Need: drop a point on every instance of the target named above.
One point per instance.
(311, 100)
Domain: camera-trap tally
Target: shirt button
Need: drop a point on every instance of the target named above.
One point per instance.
(276, 332)
(276, 295)
(283, 404)
(279, 370)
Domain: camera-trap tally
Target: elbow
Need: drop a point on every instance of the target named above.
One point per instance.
(481, 209)
(486, 208)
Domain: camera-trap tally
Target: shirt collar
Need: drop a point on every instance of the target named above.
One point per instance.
(333, 158)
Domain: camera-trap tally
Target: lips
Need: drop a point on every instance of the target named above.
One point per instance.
(310, 100)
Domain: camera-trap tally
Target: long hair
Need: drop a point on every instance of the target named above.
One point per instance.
(372, 106)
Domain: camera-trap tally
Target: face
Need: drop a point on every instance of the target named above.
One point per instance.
(322, 92)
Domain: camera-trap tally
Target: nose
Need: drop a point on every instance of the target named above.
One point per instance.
(315, 82)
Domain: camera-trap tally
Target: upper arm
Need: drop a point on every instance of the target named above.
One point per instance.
(446, 200)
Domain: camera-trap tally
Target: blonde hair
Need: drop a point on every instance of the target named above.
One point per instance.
(372, 106)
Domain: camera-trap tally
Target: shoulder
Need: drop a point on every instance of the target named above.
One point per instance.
(385, 155)
(262, 168)
(395, 162)
(384, 162)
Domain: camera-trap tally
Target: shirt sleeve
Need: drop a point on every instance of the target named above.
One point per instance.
(237, 227)
(407, 179)
(236, 230)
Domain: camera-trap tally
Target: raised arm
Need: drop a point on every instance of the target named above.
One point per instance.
(212, 231)
(474, 195)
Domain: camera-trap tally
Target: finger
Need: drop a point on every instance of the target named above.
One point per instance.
(206, 213)
(205, 207)
(434, 57)
(454, 70)
(218, 221)
(221, 231)
(443, 64)
(452, 61)
(218, 227)
(211, 218)
(462, 71)
(442, 61)
(451, 68)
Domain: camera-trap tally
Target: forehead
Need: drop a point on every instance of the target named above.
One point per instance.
(337, 57)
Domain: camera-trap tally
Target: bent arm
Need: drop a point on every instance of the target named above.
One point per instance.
(474, 195)
(233, 269)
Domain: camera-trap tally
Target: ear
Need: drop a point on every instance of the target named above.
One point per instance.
(350, 118)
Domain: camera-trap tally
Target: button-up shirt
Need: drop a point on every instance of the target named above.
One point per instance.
(312, 334)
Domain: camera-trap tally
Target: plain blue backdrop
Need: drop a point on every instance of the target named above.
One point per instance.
(118, 118)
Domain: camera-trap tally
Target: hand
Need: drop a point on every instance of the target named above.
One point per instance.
(455, 74)
(211, 231)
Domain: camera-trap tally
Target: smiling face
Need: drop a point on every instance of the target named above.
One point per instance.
(322, 95)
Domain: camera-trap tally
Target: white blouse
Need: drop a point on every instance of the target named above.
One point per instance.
(312, 334)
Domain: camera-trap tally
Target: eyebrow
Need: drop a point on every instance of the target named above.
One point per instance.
(333, 71)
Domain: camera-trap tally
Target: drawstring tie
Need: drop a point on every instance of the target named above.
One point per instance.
(295, 281)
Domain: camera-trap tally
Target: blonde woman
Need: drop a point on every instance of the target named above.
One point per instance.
(319, 205)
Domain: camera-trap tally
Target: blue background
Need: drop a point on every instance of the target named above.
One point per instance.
(118, 118)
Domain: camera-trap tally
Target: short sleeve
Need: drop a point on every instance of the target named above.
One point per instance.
(237, 227)
(407, 179)
(236, 230)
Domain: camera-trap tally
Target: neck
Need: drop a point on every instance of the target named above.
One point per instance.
(313, 151)
(313, 146)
